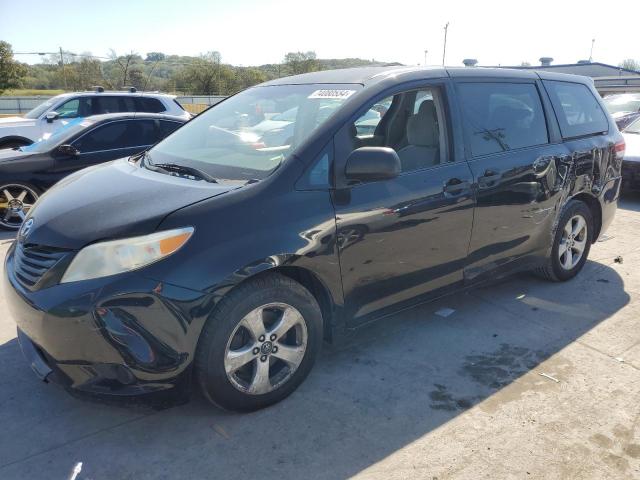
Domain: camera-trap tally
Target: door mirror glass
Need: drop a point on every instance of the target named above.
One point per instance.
(51, 116)
(367, 164)
(69, 150)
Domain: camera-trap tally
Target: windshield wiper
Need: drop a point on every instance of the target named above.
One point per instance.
(181, 170)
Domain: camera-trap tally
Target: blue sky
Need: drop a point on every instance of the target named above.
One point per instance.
(250, 32)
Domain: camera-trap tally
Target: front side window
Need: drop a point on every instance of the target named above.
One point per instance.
(409, 123)
(108, 136)
(68, 109)
(250, 134)
(499, 117)
(577, 109)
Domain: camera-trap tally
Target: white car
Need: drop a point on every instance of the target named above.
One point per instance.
(58, 111)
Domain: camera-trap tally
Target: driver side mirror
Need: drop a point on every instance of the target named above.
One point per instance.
(51, 116)
(367, 164)
(69, 150)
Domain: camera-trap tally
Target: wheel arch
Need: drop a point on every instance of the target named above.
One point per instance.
(596, 211)
(15, 138)
(305, 277)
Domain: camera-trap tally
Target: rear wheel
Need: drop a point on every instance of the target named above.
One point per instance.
(571, 244)
(259, 344)
(16, 199)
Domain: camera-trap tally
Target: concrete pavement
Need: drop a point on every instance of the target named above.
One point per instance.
(413, 396)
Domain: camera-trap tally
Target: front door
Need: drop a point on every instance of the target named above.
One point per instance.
(108, 141)
(403, 239)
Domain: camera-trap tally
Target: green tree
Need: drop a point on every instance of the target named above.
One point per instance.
(301, 62)
(11, 71)
(630, 64)
(204, 75)
(155, 57)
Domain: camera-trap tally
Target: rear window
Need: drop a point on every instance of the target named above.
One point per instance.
(577, 109)
(502, 116)
(151, 105)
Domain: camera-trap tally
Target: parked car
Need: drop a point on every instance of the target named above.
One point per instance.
(26, 172)
(226, 262)
(56, 112)
(624, 108)
(631, 161)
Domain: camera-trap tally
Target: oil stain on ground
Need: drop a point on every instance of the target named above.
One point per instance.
(492, 370)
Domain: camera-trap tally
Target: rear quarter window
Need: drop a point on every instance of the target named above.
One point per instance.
(150, 105)
(579, 113)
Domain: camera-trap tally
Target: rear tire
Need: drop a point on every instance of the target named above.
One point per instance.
(571, 244)
(259, 344)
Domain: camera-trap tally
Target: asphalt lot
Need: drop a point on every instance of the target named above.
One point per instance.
(414, 396)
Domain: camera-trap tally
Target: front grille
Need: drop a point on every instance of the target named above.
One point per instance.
(34, 262)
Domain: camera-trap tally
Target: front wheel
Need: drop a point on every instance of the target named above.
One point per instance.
(572, 243)
(259, 344)
(16, 199)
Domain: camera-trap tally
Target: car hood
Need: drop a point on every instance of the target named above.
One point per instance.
(16, 122)
(632, 146)
(113, 200)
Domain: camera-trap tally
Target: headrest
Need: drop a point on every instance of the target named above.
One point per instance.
(428, 107)
(504, 116)
(422, 130)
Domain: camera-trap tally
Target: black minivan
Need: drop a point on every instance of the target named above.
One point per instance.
(218, 257)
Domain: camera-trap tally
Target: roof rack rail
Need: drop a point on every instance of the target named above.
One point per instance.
(98, 88)
(131, 89)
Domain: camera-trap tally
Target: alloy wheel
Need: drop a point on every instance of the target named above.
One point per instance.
(266, 348)
(573, 242)
(15, 202)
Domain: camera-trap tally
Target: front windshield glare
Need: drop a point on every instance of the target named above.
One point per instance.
(39, 110)
(249, 135)
(622, 103)
(633, 128)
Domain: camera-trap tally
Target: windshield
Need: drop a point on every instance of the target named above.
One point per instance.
(49, 141)
(634, 127)
(234, 139)
(622, 103)
(39, 110)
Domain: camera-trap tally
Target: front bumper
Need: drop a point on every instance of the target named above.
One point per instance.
(631, 174)
(123, 335)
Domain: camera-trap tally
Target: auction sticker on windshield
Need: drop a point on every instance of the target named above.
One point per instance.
(332, 94)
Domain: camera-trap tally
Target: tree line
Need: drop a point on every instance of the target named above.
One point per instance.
(205, 74)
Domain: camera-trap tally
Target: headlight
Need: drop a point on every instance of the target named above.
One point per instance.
(117, 256)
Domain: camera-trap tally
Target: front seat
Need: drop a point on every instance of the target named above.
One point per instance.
(422, 138)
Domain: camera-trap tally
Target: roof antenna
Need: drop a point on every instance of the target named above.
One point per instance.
(593, 40)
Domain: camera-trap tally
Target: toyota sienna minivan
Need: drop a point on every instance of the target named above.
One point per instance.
(222, 260)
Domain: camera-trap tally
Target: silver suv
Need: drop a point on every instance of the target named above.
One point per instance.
(58, 111)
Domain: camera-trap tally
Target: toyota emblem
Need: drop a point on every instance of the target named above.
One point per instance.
(26, 228)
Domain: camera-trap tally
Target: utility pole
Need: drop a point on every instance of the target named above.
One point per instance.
(425, 56)
(444, 50)
(64, 73)
(593, 40)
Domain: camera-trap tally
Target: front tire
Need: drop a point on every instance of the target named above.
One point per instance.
(259, 344)
(16, 199)
(572, 243)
